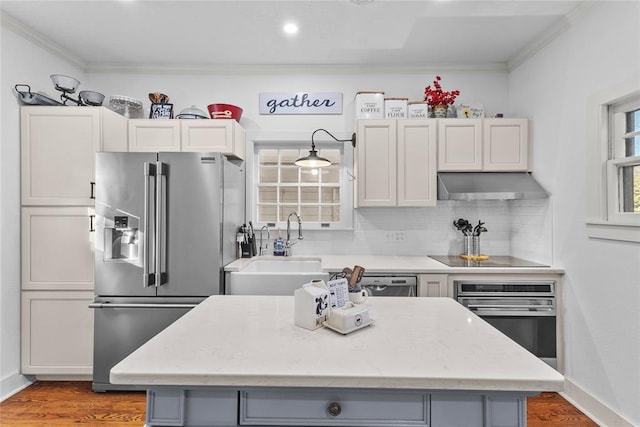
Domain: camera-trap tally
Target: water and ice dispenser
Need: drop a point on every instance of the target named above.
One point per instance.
(121, 242)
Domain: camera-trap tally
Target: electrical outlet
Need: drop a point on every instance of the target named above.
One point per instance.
(396, 236)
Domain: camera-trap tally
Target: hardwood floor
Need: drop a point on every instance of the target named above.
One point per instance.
(54, 403)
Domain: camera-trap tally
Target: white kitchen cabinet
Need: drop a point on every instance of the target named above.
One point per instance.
(154, 135)
(224, 136)
(490, 145)
(505, 145)
(57, 248)
(58, 146)
(396, 163)
(57, 333)
(434, 285)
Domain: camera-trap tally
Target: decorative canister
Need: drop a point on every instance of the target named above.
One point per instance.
(370, 105)
(395, 108)
(418, 110)
(471, 245)
(440, 111)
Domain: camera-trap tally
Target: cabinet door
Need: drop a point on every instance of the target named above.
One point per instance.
(460, 145)
(58, 146)
(154, 135)
(57, 248)
(506, 144)
(57, 332)
(224, 136)
(115, 131)
(433, 285)
(417, 185)
(376, 163)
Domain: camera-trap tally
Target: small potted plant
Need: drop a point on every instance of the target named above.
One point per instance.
(438, 99)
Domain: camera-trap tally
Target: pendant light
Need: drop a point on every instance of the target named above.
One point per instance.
(315, 161)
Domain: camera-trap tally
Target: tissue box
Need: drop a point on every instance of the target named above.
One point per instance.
(311, 305)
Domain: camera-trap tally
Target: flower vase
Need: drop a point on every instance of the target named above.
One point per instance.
(440, 111)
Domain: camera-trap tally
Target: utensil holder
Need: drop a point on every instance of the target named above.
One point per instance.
(471, 245)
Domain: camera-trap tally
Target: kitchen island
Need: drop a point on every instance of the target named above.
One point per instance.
(240, 360)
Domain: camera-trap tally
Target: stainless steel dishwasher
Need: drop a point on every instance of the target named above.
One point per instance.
(390, 284)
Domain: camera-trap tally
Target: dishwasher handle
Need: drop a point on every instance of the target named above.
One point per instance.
(118, 305)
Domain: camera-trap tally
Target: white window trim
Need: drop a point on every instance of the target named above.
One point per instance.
(602, 222)
(283, 138)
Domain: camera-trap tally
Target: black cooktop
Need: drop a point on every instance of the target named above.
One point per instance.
(493, 261)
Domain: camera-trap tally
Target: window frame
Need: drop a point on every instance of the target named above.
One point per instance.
(604, 219)
(300, 140)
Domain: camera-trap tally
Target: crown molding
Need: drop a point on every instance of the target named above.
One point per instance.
(40, 40)
(271, 69)
(551, 34)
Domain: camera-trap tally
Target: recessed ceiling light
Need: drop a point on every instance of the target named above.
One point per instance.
(290, 28)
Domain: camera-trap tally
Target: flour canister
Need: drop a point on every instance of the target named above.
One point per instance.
(395, 108)
(418, 110)
(370, 105)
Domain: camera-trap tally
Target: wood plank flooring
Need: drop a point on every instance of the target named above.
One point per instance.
(67, 403)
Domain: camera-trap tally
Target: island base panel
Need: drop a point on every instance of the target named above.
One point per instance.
(220, 406)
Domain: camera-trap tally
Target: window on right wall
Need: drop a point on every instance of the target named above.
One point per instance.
(614, 166)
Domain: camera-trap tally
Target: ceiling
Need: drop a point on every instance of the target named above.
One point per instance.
(100, 34)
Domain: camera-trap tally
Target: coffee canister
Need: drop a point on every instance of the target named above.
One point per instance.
(370, 105)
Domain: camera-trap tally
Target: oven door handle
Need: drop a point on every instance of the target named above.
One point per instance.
(510, 307)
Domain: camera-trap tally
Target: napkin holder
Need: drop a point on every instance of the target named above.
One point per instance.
(311, 305)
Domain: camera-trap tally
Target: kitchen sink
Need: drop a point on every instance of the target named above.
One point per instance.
(274, 276)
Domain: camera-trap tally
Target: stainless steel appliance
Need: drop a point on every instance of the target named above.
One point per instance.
(166, 226)
(524, 311)
(390, 285)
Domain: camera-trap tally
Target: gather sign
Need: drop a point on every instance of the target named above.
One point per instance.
(272, 103)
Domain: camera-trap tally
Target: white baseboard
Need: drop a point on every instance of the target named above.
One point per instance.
(592, 407)
(13, 384)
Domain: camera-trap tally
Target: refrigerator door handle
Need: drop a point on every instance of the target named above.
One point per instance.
(161, 224)
(119, 305)
(148, 273)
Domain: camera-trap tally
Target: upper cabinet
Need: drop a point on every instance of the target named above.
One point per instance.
(224, 136)
(58, 146)
(396, 163)
(490, 145)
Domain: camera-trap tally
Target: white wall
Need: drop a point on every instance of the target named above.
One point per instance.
(22, 62)
(602, 287)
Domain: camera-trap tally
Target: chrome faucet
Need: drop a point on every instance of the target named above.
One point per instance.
(266, 245)
(287, 248)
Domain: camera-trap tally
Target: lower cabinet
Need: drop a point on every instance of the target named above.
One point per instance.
(434, 285)
(267, 406)
(57, 333)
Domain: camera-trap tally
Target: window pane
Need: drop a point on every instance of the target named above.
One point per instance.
(266, 213)
(331, 174)
(285, 210)
(289, 195)
(309, 194)
(330, 214)
(631, 188)
(289, 175)
(632, 145)
(288, 157)
(330, 195)
(268, 175)
(268, 157)
(309, 213)
(267, 195)
(310, 175)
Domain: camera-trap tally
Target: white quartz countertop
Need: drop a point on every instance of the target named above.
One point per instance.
(397, 264)
(415, 343)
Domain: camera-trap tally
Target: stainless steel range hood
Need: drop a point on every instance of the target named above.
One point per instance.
(488, 186)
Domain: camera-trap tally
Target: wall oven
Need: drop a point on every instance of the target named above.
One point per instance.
(524, 311)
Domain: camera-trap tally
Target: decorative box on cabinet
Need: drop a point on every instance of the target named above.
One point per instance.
(490, 145)
(57, 333)
(58, 146)
(396, 163)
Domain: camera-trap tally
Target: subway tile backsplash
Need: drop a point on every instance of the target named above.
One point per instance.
(518, 228)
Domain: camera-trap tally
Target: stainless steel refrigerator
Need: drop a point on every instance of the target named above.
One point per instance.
(165, 228)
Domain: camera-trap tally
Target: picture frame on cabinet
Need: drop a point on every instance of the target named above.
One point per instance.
(469, 111)
(161, 111)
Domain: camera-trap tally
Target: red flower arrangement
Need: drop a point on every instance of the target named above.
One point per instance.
(437, 96)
